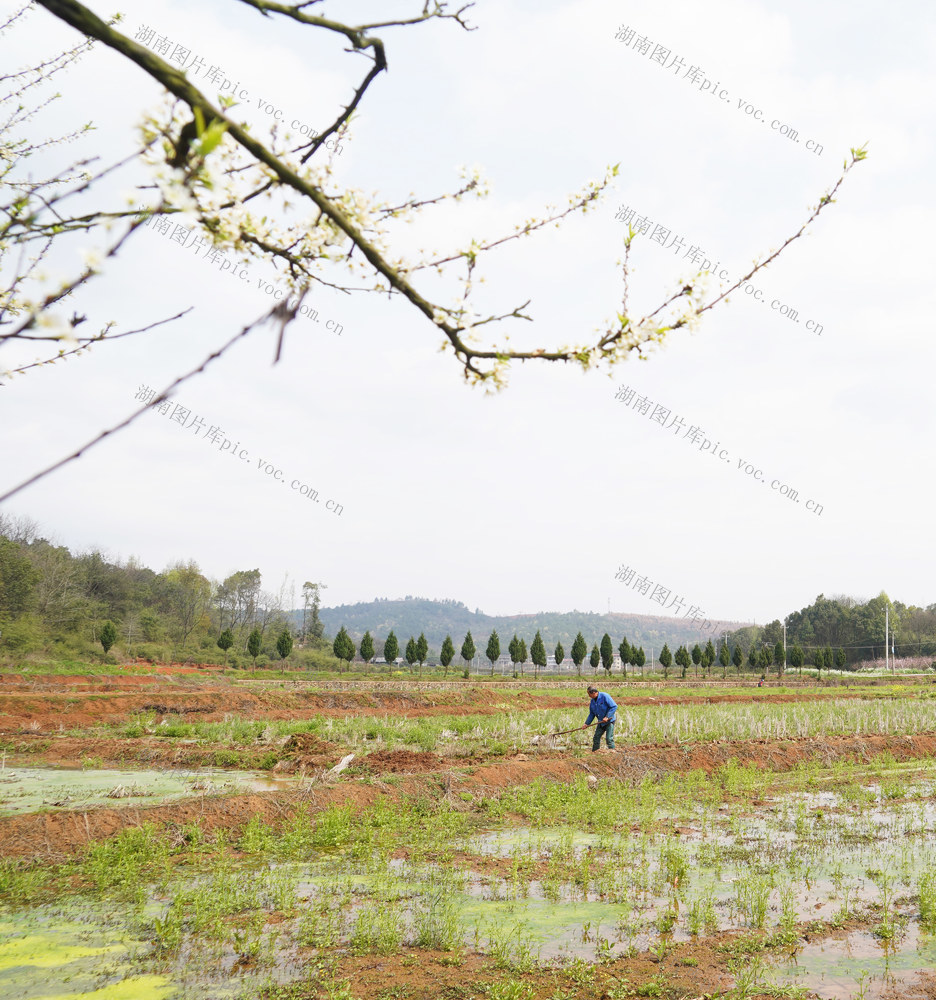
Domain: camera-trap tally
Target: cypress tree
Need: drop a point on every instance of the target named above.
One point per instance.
(607, 653)
(538, 653)
(666, 658)
(391, 649)
(579, 652)
(468, 649)
(447, 653)
(367, 648)
(493, 649)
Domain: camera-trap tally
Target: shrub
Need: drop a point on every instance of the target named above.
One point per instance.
(154, 652)
(23, 635)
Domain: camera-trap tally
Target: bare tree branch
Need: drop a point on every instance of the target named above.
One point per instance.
(277, 313)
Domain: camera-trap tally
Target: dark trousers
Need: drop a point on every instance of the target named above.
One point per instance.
(606, 728)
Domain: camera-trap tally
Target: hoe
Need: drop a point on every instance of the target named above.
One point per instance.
(563, 732)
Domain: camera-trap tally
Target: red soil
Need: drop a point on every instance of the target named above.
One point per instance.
(52, 703)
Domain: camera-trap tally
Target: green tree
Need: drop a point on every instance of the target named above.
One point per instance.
(522, 654)
(635, 659)
(752, 655)
(779, 658)
(237, 601)
(696, 657)
(513, 651)
(187, 594)
(559, 655)
(708, 656)
(840, 658)
(391, 650)
(367, 648)
(773, 632)
(343, 647)
(447, 653)
(312, 626)
(468, 649)
(18, 581)
(724, 658)
(763, 658)
(595, 658)
(284, 644)
(666, 658)
(683, 659)
(796, 657)
(737, 657)
(411, 654)
(108, 635)
(607, 653)
(624, 651)
(493, 649)
(767, 656)
(225, 641)
(538, 654)
(254, 643)
(422, 650)
(640, 659)
(579, 652)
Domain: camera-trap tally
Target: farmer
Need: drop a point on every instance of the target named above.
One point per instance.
(602, 707)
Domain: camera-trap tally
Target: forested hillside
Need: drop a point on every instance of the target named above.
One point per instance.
(438, 618)
(853, 626)
(75, 605)
(60, 602)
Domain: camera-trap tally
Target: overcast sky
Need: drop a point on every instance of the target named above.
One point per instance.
(534, 498)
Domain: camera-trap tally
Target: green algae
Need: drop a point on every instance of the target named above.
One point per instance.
(134, 988)
(44, 957)
(42, 951)
(34, 789)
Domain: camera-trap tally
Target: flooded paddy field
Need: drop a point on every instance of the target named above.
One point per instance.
(799, 862)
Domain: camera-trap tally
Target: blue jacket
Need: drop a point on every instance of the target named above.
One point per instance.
(600, 706)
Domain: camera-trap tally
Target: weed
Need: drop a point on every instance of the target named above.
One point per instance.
(513, 949)
(119, 865)
(509, 989)
(927, 889)
(752, 893)
(320, 927)
(378, 930)
(256, 837)
(701, 914)
(887, 928)
(437, 922)
(580, 971)
(786, 933)
(652, 987)
(20, 882)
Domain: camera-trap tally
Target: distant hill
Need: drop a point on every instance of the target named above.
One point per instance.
(436, 619)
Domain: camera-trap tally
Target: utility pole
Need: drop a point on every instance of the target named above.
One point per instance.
(784, 649)
(886, 623)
